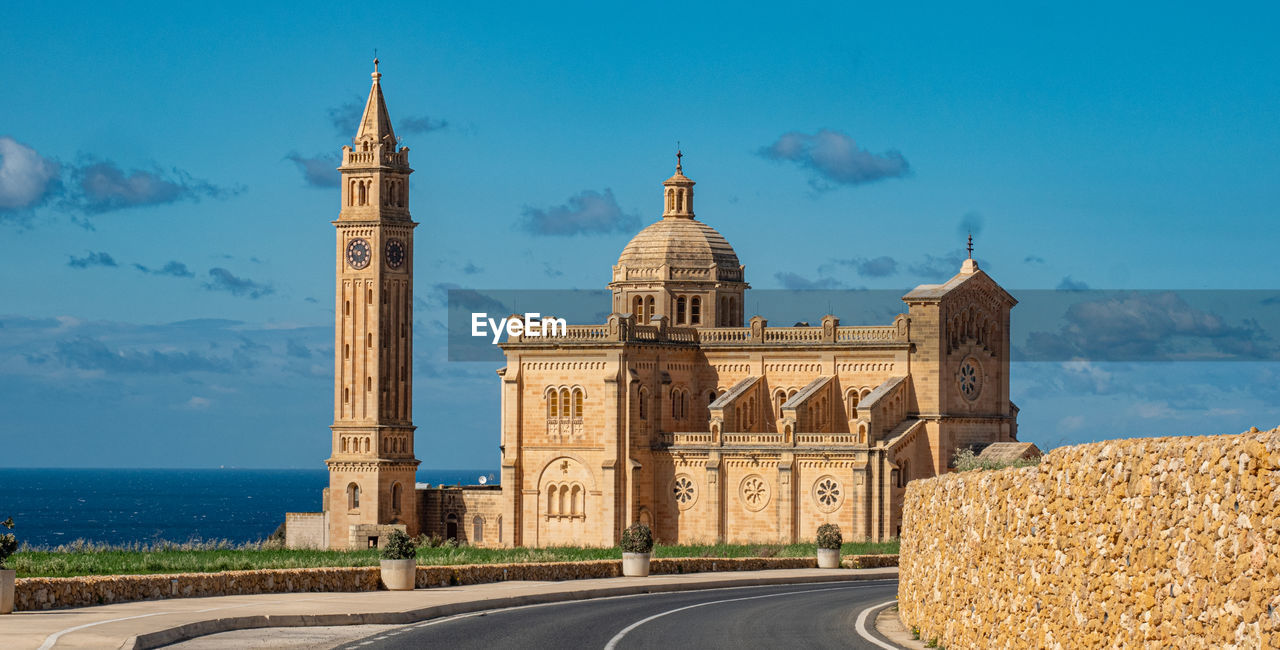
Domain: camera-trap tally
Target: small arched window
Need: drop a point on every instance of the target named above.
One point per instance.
(644, 397)
(695, 311)
(477, 529)
(577, 402)
(648, 308)
(637, 308)
(551, 500)
(353, 496)
(395, 497)
(562, 506)
(680, 310)
(711, 396)
(553, 404)
(574, 499)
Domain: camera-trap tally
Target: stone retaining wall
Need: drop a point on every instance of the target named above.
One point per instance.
(1158, 542)
(50, 593)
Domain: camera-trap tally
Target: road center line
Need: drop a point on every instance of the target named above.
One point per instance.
(861, 625)
(613, 643)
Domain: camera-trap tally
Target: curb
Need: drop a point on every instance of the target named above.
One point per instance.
(216, 625)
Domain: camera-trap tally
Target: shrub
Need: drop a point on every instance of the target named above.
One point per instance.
(8, 543)
(829, 536)
(965, 460)
(399, 547)
(637, 538)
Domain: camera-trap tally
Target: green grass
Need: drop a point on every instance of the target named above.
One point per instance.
(84, 559)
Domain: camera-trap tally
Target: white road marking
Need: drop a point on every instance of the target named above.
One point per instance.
(53, 638)
(861, 625)
(613, 643)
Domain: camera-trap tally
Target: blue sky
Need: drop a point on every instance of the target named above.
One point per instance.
(164, 198)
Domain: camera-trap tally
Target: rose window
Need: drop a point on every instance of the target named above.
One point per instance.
(684, 491)
(970, 378)
(754, 492)
(827, 492)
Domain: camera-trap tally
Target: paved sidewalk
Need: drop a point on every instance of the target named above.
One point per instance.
(151, 623)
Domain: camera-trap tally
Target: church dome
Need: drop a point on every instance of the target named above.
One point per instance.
(682, 245)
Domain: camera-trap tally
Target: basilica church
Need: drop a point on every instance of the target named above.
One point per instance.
(680, 411)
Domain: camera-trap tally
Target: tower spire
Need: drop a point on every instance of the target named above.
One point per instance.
(970, 244)
(375, 124)
(677, 192)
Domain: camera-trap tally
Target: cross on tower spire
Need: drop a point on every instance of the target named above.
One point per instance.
(679, 156)
(971, 245)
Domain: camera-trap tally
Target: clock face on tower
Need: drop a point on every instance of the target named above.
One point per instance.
(394, 253)
(358, 253)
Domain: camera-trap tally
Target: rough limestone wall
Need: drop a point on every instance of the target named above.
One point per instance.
(1158, 542)
(51, 593)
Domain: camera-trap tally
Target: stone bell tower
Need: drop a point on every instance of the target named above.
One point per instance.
(372, 465)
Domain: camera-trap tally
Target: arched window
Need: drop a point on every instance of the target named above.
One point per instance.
(695, 311)
(577, 403)
(851, 403)
(779, 398)
(395, 497)
(680, 310)
(562, 506)
(648, 308)
(451, 526)
(671, 200)
(574, 499)
(644, 397)
(353, 496)
(564, 402)
(553, 404)
(711, 396)
(637, 308)
(477, 529)
(551, 500)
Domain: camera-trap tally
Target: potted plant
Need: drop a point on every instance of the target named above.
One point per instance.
(829, 541)
(399, 562)
(8, 544)
(637, 544)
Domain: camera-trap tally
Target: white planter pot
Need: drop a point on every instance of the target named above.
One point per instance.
(6, 590)
(828, 558)
(635, 564)
(399, 575)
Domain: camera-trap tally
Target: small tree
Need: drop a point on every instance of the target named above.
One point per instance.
(829, 536)
(637, 538)
(399, 547)
(8, 543)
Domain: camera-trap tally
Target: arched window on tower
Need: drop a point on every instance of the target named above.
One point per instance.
(644, 397)
(637, 308)
(695, 311)
(353, 496)
(680, 201)
(648, 309)
(395, 498)
(680, 310)
(671, 200)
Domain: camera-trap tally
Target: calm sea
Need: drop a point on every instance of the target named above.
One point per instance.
(57, 506)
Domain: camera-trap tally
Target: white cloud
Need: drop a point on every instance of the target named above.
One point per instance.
(24, 175)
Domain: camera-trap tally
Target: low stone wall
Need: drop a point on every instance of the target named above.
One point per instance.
(51, 593)
(1158, 542)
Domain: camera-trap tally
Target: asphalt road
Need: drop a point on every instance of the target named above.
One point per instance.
(820, 615)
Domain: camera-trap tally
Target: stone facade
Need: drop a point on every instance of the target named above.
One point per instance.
(677, 414)
(1158, 542)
